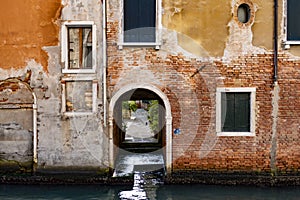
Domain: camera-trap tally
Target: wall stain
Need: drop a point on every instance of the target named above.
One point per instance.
(263, 25)
(193, 19)
(203, 25)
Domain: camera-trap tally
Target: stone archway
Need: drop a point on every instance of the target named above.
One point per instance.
(167, 114)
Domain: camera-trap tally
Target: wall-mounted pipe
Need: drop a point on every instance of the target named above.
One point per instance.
(35, 139)
(275, 57)
(104, 61)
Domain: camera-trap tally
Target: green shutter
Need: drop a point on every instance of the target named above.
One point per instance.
(235, 112)
(242, 112)
(227, 112)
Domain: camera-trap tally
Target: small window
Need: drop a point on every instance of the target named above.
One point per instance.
(243, 13)
(79, 96)
(293, 26)
(79, 47)
(141, 23)
(139, 20)
(235, 111)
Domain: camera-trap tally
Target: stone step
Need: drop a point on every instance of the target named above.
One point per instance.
(128, 163)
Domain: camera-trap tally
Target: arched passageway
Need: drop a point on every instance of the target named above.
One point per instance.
(140, 122)
(139, 117)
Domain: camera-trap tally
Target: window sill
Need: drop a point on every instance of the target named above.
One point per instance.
(78, 114)
(78, 71)
(287, 44)
(139, 44)
(236, 134)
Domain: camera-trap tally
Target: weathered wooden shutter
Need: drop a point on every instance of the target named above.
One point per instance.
(235, 112)
(139, 20)
(293, 15)
(242, 112)
(227, 112)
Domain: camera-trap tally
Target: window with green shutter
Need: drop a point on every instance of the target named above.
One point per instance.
(235, 111)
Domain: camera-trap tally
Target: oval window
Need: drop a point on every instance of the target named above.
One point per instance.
(243, 13)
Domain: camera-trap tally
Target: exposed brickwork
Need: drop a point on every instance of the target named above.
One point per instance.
(288, 149)
(187, 69)
(192, 97)
(234, 153)
(190, 85)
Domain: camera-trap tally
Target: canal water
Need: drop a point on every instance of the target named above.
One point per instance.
(157, 191)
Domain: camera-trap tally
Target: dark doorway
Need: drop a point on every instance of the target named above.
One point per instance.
(140, 121)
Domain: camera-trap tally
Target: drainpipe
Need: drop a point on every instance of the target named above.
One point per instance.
(104, 62)
(275, 97)
(34, 107)
(275, 42)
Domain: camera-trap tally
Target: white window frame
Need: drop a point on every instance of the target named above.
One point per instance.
(252, 92)
(287, 42)
(64, 46)
(158, 28)
(94, 96)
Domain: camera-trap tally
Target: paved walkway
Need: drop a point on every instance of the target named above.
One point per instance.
(138, 128)
(128, 163)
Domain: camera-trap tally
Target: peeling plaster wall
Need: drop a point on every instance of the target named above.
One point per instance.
(240, 39)
(203, 47)
(16, 128)
(205, 28)
(27, 27)
(31, 41)
(72, 142)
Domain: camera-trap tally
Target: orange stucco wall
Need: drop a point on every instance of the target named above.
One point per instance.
(26, 27)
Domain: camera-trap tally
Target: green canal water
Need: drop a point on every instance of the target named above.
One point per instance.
(163, 192)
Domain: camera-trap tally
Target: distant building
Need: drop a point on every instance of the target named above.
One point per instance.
(225, 75)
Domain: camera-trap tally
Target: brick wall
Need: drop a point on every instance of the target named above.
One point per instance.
(192, 98)
(190, 84)
(288, 150)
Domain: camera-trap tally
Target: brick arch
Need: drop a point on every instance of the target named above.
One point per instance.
(12, 89)
(168, 118)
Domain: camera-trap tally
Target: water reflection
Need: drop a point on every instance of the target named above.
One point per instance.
(145, 186)
(195, 192)
(59, 192)
(158, 192)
